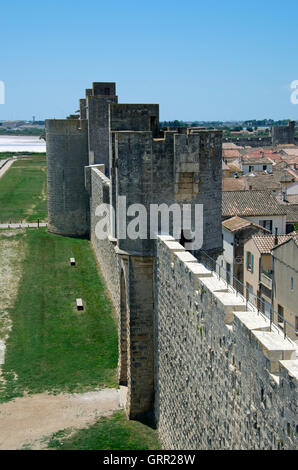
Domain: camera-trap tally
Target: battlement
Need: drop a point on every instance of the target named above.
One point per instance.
(134, 117)
(66, 126)
(104, 88)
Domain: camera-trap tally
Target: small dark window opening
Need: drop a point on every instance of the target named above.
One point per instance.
(107, 91)
(153, 126)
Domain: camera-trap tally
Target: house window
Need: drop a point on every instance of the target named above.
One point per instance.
(266, 224)
(280, 311)
(264, 167)
(228, 273)
(292, 283)
(249, 261)
(296, 325)
(251, 168)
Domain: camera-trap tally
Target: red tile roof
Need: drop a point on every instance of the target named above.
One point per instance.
(231, 154)
(250, 203)
(233, 184)
(266, 243)
(237, 223)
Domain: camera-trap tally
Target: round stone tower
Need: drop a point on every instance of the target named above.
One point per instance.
(67, 155)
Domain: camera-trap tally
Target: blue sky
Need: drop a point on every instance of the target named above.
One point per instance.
(199, 60)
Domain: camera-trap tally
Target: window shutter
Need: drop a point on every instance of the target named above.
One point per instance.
(252, 262)
(247, 260)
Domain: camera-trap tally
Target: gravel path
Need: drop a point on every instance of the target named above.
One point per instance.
(29, 420)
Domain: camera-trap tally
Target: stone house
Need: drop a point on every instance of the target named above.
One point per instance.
(235, 233)
(285, 283)
(254, 164)
(258, 271)
(260, 207)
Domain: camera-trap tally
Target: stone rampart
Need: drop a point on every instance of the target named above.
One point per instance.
(223, 380)
(99, 186)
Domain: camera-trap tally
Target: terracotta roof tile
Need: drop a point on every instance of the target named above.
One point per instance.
(292, 152)
(265, 243)
(231, 145)
(237, 223)
(292, 212)
(231, 153)
(233, 184)
(250, 203)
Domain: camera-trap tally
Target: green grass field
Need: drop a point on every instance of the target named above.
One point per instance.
(52, 346)
(109, 433)
(23, 191)
(5, 155)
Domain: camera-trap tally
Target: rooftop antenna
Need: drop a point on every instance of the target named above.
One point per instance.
(275, 237)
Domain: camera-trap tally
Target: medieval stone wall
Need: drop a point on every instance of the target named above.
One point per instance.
(259, 141)
(223, 380)
(104, 249)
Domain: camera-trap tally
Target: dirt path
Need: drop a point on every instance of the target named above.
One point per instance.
(11, 258)
(29, 420)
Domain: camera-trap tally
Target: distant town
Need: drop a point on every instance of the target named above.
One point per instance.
(22, 127)
(243, 129)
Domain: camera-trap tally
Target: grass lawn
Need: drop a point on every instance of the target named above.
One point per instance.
(5, 155)
(52, 346)
(114, 432)
(23, 191)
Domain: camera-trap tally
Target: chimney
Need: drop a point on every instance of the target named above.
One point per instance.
(275, 237)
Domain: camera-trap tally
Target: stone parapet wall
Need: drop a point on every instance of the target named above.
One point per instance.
(223, 380)
(106, 256)
(257, 141)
